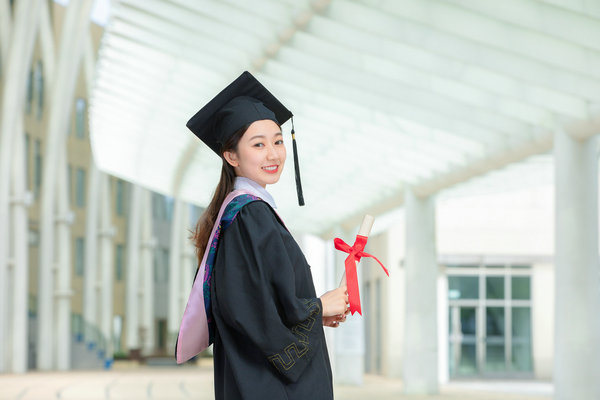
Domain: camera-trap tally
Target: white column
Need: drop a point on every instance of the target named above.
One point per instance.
(16, 66)
(577, 301)
(22, 199)
(107, 268)
(132, 306)
(350, 337)
(62, 84)
(91, 253)
(175, 311)
(147, 257)
(420, 368)
(63, 291)
(188, 258)
(5, 31)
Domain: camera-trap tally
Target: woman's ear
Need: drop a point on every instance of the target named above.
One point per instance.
(231, 158)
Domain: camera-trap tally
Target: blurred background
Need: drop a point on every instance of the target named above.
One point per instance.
(467, 128)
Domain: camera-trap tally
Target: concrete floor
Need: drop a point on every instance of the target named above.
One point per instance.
(195, 382)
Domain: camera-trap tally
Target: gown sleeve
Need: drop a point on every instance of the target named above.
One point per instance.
(256, 291)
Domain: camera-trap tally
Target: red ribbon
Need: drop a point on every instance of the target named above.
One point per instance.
(355, 253)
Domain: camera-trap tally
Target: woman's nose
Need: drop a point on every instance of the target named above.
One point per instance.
(271, 152)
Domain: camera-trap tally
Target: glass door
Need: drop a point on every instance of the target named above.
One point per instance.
(489, 324)
(463, 340)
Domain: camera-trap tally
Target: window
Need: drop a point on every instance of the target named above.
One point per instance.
(80, 194)
(37, 167)
(161, 266)
(79, 256)
(463, 287)
(70, 181)
(39, 89)
(169, 204)
(119, 261)
(27, 161)
(492, 302)
(120, 200)
(29, 95)
(80, 108)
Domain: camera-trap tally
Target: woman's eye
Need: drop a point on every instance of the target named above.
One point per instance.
(259, 145)
(280, 141)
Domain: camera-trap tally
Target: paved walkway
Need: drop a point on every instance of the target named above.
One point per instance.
(195, 382)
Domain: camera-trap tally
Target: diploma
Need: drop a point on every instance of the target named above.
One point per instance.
(355, 253)
(364, 230)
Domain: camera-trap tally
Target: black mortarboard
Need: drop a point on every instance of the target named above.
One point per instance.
(244, 101)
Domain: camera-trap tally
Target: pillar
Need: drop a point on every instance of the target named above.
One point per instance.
(63, 291)
(420, 363)
(576, 326)
(15, 68)
(175, 310)
(20, 245)
(91, 255)
(62, 89)
(107, 268)
(147, 257)
(132, 306)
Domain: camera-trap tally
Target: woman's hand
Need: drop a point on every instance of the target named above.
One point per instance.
(336, 320)
(335, 302)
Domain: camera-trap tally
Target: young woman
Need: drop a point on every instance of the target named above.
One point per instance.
(264, 316)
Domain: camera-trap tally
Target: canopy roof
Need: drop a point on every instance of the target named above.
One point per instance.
(384, 93)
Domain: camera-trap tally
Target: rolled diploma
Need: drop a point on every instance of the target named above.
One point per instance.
(365, 230)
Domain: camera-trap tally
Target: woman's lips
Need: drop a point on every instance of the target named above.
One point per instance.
(271, 169)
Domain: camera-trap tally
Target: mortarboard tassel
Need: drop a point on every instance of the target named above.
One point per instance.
(297, 167)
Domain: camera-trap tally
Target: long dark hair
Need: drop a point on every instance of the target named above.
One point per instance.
(205, 223)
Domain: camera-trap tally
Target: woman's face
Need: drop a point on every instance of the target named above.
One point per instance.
(260, 154)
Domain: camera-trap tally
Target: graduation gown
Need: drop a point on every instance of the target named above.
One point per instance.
(269, 339)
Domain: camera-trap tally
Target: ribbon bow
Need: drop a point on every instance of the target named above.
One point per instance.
(355, 253)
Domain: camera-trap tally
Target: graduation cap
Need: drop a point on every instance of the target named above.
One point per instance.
(244, 101)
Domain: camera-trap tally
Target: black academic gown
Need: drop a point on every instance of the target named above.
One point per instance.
(269, 340)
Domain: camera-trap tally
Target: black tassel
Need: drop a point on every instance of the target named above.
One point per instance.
(297, 167)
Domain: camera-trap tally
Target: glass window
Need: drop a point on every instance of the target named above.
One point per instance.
(463, 287)
(521, 339)
(494, 321)
(80, 107)
(119, 261)
(497, 266)
(161, 266)
(120, 200)
(494, 287)
(39, 89)
(169, 201)
(79, 256)
(468, 325)
(37, 167)
(70, 181)
(80, 194)
(467, 364)
(521, 287)
(27, 161)
(29, 95)
(494, 357)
